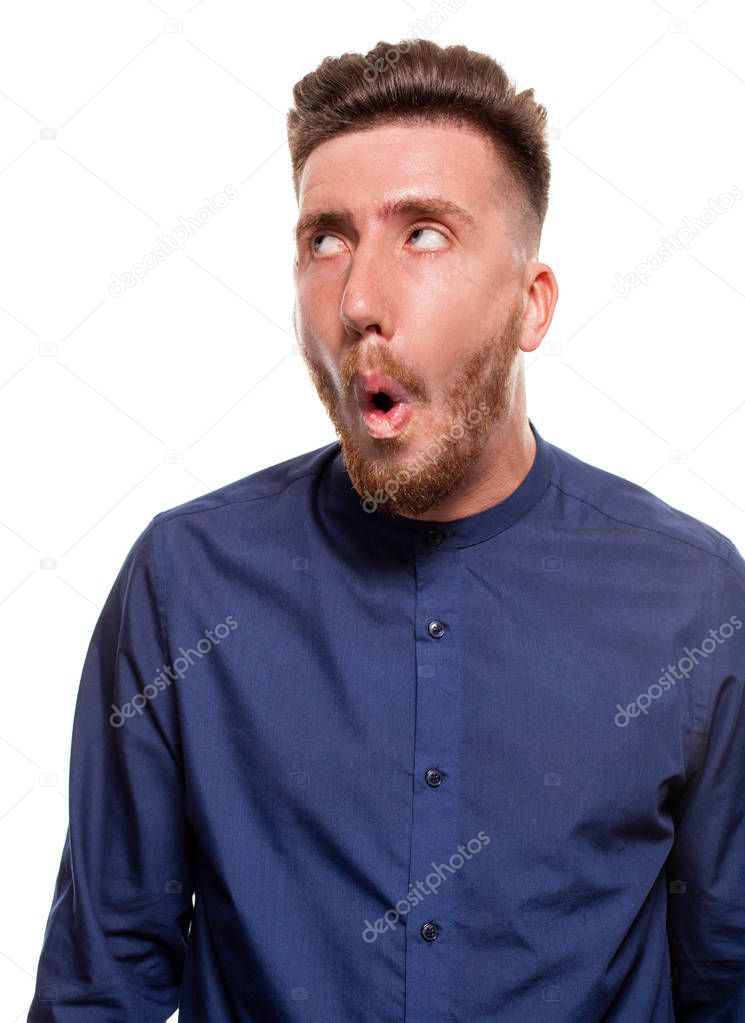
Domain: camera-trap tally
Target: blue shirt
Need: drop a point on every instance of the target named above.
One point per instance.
(490, 769)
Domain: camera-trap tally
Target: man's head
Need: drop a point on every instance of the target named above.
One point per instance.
(422, 191)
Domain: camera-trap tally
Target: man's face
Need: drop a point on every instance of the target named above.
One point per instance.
(420, 302)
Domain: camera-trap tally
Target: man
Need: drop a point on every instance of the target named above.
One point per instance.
(436, 722)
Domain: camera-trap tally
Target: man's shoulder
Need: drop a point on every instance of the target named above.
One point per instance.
(603, 499)
(265, 486)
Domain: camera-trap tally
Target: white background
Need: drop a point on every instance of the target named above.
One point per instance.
(117, 119)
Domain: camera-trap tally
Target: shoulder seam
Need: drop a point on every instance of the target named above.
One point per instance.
(168, 515)
(636, 525)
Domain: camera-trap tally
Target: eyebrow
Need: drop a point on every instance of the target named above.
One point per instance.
(425, 206)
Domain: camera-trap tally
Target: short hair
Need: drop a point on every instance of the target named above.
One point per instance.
(417, 81)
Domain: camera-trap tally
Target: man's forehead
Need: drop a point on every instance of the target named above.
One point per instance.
(378, 165)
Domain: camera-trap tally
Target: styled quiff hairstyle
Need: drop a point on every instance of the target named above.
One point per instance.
(417, 81)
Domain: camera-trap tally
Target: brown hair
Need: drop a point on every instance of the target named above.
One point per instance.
(418, 81)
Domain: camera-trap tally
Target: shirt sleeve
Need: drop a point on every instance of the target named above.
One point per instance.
(115, 938)
(706, 866)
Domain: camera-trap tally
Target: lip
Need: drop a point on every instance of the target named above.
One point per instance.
(368, 384)
(382, 424)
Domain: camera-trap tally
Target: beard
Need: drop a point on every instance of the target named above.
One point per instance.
(394, 476)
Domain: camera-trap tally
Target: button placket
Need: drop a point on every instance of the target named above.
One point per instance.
(435, 836)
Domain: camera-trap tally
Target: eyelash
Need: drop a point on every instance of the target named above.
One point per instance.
(415, 227)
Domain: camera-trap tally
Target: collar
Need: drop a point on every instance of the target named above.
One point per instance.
(423, 534)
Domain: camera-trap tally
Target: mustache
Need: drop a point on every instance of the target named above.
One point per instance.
(381, 362)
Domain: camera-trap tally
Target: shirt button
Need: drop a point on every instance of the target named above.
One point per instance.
(433, 777)
(429, 931)
(436, 629)
(435, 537)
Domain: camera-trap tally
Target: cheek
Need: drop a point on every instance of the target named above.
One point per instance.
(309, 311)
(319, 334)
(319, 298)
(433, 283)
(442, 314)
(322, 275)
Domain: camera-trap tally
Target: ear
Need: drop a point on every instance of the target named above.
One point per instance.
(542, 293)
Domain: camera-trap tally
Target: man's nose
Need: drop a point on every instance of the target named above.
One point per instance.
(366, 300)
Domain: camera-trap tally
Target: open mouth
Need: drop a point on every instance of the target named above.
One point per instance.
(383, 401)
(384, 405)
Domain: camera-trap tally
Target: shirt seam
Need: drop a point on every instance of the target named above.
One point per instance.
(637, 525)
(701, 706)
(169, 514)
(161, 602)
(161, 592)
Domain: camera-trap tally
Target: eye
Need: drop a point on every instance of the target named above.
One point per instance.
(440, 239)
(317, 251)
(330, 245)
